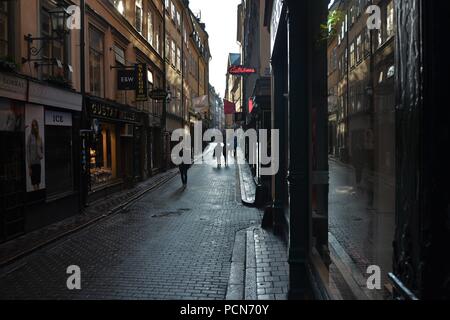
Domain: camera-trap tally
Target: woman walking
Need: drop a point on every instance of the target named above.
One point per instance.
(35, 154)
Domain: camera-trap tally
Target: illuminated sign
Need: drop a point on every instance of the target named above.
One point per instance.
(240, 70)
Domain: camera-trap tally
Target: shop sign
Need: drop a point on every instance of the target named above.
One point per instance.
(241, 70)
(141, 82)
(126, 79)
(13, 87)
(60, 119)
(54, 97)
(159, 94)
(277, 9)
(101, 110)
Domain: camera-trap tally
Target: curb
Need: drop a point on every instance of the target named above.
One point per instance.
(89, 223)
(244, 199)
(242, 281)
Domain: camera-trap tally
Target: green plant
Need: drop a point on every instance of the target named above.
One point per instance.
(330, 29)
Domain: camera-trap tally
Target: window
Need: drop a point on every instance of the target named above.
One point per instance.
(55, 52)
(139, 15)
(174, 54)
(158, 40)
(178, 20)
(179, 59)
(352, 55)
(168, 42)
(367, 43)
(390, 20)
(174, 12)
(103, 159)
(359, 54)
(58, 159)
(120, 55)
(119, 6)
(5, 32)
(96, 62)
(150, 30)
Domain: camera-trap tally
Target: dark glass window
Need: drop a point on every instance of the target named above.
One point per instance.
(58, 160)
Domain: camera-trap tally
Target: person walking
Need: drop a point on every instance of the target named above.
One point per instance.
(183, 167)
(35, 154)
(225, 154)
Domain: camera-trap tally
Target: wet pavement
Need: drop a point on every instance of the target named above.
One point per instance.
(173, 243)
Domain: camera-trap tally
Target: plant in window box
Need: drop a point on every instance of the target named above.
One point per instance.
(8, 64)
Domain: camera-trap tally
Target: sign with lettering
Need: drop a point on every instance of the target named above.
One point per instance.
(241, 70)
(105, 111)
(141, 82)
(61, 119)
(126, 79)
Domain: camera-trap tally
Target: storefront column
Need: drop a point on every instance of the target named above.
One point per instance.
(303, 24)
(278, 122)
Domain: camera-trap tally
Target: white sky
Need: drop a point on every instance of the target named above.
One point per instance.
(220, 17)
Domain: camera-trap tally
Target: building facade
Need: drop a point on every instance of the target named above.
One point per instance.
(81, 124)
(40, 116)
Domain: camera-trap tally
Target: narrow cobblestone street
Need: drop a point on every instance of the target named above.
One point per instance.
(171, 244)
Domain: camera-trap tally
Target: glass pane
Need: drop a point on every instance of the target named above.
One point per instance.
(59, 167)
(362, 154)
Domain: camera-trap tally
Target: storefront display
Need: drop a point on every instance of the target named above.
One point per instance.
(113, 144)
(103, 160)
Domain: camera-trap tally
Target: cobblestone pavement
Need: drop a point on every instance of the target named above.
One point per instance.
(173, 243)
(272, 268)
(25, 244)
(365, 233)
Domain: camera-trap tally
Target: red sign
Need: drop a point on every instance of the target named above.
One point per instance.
(250, 105)
(240, 70)
(229, 107)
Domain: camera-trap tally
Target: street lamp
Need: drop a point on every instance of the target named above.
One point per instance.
(58, 25)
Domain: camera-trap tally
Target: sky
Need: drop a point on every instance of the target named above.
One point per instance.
(220, 17)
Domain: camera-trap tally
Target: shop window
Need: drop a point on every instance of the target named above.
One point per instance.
(59, 160)
(96, 62)
(103, 159)
(362, 173)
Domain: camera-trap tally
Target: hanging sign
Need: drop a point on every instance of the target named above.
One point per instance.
(126, 79)
(241, 70)
(141, 82)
